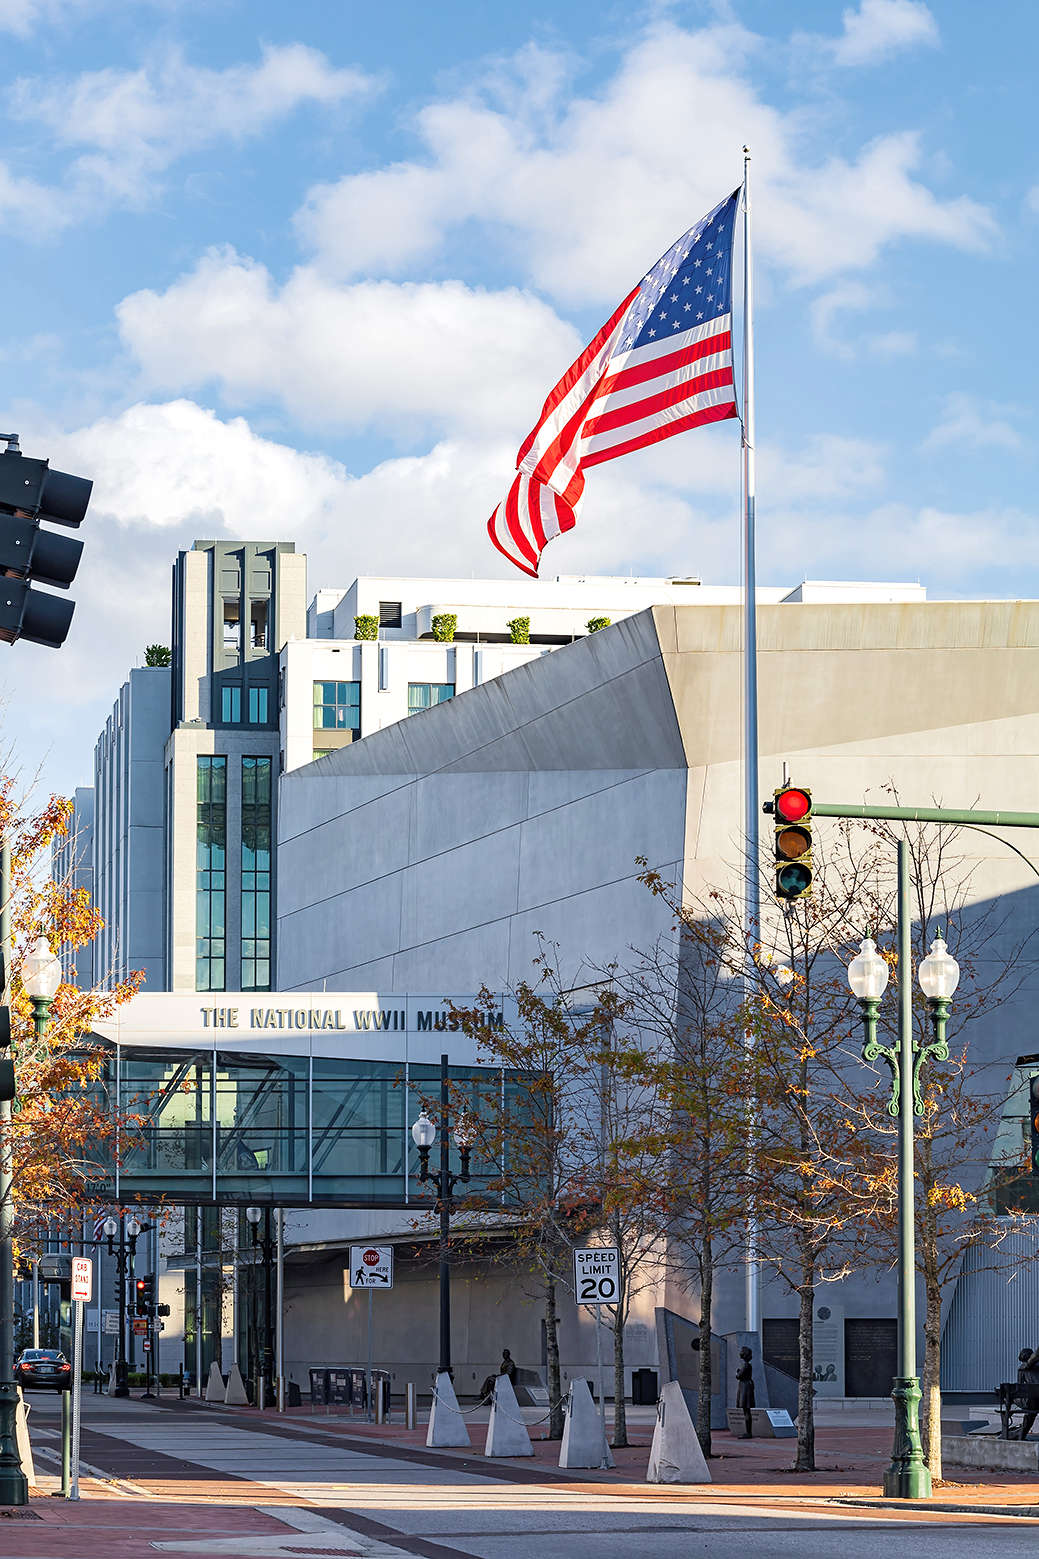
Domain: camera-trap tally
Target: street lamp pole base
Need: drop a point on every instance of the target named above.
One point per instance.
(908, 1477)
(14, 1486)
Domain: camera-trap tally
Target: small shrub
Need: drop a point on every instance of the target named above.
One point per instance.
(366, 627)
(595, 623)
(519, 628)
(156, 655)
(444, 625)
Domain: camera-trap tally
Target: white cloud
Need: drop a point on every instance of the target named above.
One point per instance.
(437, 355)
(589, 191)
(133, 124)
(978, 424)
(880, 28)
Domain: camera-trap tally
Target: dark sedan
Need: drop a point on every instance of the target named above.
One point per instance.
(44, 1368)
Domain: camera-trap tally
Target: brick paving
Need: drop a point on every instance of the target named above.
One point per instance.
(154, 1498)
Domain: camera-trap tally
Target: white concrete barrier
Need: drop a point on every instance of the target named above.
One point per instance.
(584, 1444)
(506, 1432)
(236, 1394)
(446, 1424)
(675, 1455)
(216, 1391)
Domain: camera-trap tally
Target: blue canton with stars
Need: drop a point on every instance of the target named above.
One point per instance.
(689, 285)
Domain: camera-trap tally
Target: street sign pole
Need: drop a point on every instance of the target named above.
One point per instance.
(597, 1283)
(82, 1286)
(77, 1398)
(368, 1414)
(602, 1384)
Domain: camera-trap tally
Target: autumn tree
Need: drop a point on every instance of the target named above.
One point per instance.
(960, 1097)
(537, 1138)
(681, 1010)
(62, 1123)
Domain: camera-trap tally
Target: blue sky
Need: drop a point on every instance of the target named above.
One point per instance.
(308, 273)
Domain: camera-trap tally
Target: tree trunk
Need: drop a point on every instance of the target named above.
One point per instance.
(931, 1426)
(805, 1415)
(620, 1416)
(703, 1395)
(555, 1392)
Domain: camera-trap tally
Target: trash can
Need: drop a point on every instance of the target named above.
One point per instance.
(643, 1388)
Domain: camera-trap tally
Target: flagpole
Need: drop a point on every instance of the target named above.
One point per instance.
(751, 890)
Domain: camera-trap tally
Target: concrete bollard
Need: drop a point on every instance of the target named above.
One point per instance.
(675, 1455)
(506, 1432)
(446, 1424)
(584, 1444)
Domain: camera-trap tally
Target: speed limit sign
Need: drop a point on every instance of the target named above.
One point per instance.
(597, 1275)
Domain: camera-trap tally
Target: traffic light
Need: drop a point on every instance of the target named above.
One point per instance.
(145, 1294)
(792, 813)
(30, 492)
(1033, 1115)
(6, 1059)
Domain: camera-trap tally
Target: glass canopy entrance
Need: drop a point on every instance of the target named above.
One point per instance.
(303, 1100)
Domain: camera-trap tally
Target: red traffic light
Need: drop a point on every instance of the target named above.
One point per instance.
(792, 805)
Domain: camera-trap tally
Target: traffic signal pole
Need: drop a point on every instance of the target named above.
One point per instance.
(908, 1477)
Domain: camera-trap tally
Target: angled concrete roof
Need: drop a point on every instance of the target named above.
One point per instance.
(663, 690)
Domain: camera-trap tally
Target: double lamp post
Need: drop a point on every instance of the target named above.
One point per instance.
(907, 1477)
(424, 1134)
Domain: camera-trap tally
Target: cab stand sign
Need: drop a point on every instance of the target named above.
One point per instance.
(371, 1266)
(597, 1275)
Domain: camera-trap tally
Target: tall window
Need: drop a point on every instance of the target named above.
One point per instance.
(231, 705)
(337, 706)
(257, 706)
(210, 873)
(256, 874)
(423, 695)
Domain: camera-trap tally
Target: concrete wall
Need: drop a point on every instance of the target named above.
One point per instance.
(129, 831)
(430, 852)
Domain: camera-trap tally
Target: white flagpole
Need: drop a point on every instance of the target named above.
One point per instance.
(752, 889)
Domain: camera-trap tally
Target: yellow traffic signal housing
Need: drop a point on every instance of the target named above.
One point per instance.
(792, 811)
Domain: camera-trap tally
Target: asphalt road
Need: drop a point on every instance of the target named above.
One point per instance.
(388, 1503)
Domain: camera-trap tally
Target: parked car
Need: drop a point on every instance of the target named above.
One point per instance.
(43, 1367)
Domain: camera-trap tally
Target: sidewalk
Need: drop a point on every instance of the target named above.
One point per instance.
(850, 1459)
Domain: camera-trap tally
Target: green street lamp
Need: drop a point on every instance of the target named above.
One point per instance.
(908, 1476)
(41, 976)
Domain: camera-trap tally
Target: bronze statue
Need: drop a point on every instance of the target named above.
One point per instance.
(745, 1391)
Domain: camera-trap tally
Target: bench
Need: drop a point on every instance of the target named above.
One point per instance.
(1014, 1398)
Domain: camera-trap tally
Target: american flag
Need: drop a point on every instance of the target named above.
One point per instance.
(99, 1226)
(660, 365)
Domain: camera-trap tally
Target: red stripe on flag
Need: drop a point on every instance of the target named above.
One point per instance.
(636, 411)
(656, 367)
(665, 430)
(574, 372)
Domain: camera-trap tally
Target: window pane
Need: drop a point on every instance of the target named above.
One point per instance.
(210, 882)
(256, 881)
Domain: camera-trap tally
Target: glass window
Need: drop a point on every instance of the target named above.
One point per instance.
(389, 614)
(337, 706)
(231, 627)
(257, 706)
(423, 695)
(258, 625)
(231, 705)
(210, 873)
(256, 874)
